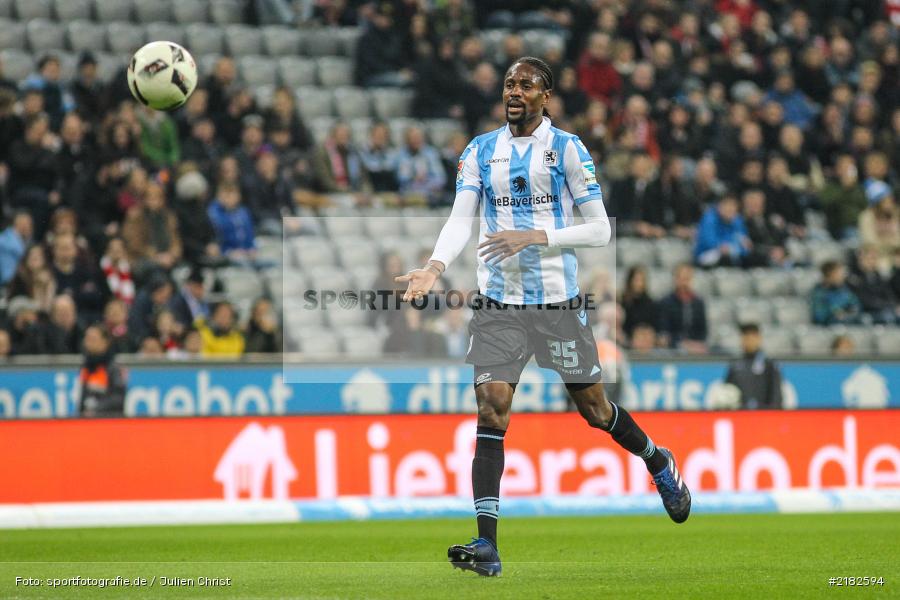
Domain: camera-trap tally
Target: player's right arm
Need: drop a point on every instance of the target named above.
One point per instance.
(456, 231)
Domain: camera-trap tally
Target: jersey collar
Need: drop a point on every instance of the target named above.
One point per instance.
(541, 133)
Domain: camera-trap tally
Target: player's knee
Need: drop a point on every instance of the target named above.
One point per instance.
(493, 411)
(595, 409)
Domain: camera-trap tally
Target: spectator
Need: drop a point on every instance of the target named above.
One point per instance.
(168, 331)
(25, 330)
(198, 237)
(233, 225)
(767, 247)
(841, 67)
(874, 291)
(76, 161)
(262, 333)
(756, 375)
(682, 315)
(879, 224)
(283, 114)
(13, 241)
(419, 170)
(221, 86)
(643, 341)
(798, 110)
(482, 96)
(832, 301)
(202, 147)
(151, 234)
(438, 91)
(78, 279)
(635, 119)
(154, 296)
(190, 303)
(63, 335)
(842, 346)
(33, 168)
(132, 193)
(57, 102)
(269, 193)
(5, 343)
(574, 99)
(103, 382)
(159, 138)
(87, 89)
(220, 337)
(639, 306)
(678, 210)
(338, 166)
(782, 204)
(380, 159)
(150, 347)
(632, 202)
(843, 199)
(115, 322)
(722, 237)
(34, 279)
(596, 74)
(117, 270)
(231, 124)
(381, 53)
(252, 143)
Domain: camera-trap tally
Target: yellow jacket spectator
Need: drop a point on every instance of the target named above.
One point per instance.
(220, 337)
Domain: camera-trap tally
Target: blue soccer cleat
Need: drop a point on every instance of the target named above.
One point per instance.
(480, 556)
(674, 493)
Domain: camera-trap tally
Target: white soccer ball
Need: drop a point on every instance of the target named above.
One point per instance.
(162, 75)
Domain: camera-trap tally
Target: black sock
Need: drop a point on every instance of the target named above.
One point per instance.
(627, 434)
(487, 467)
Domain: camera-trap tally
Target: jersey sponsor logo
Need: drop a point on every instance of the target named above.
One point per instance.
(495, 161)
(550, 158)
(519, 184)
(524, 200)
(483, 378)
(590, 175)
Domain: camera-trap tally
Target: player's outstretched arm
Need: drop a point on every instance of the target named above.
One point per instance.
(595, 231)
(450, 243)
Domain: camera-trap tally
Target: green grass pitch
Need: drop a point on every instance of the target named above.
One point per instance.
(721, 556)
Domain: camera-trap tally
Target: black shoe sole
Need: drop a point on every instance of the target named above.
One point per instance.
(462, 559)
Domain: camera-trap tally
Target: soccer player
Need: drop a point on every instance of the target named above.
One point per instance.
(525, 180)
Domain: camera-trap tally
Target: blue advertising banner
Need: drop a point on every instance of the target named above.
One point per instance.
(181, 390)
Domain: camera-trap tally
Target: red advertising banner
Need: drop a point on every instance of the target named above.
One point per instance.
(430, 455)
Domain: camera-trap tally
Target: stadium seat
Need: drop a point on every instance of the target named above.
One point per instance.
(271, 248)
(296, 71)
(771, 282)
(320, 127)
(124, 37)
(17, 64)
(204, 39)
(351, 102)
(633, 251)
(190, 11)
(322, 41)
(243, 39)
(390, 102)
(791, 311)
(358, 253)
(240, 283)
(310, 256)
(732, 282)
(344, 226)
(863, 337)
(797, 250)
(820, 252)
(703, 282)
(334, 71)
(263, 94)
(393, 243)
(671, 251)
(280, 41)
(153, 12)
(362, 343)
(398, 127)
(804, 280)
(349, 37)
(293, 281)
(107, 11)
(719, 311)
(108, 65)
(659, 283)
(727, 338)
(814, 341)
(258, 70)
(538, 41)
(887, 341)
(207, 62)
(12, 36)
(6, 9)
(359, 130)
(383, 226)
(26, 10)
(313, 102)
(170, 32)
(297, 314)
(752, 310)
(441, 130)
(226, 12)
(66, 11)
(492, 39)
(320, 343)
(86, 35)
(44, 35)
(363, 275)
(341, 318)
(328, 278)
(68, 63)
(778, 341)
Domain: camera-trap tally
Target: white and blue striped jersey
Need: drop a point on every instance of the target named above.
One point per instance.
(528, 183)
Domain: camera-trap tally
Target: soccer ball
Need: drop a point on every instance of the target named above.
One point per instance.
(162, 75)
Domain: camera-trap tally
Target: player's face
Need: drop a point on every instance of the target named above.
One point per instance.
(524, 95)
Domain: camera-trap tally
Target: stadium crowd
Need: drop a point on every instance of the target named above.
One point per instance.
(735, 124)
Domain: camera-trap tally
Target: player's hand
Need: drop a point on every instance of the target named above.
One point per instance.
(501, 245)
(420, 282)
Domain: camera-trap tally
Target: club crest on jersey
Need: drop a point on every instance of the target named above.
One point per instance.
(550, 158)
(519, 184)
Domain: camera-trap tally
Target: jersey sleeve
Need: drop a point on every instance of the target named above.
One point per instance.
(581, 176)
(468, 175)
